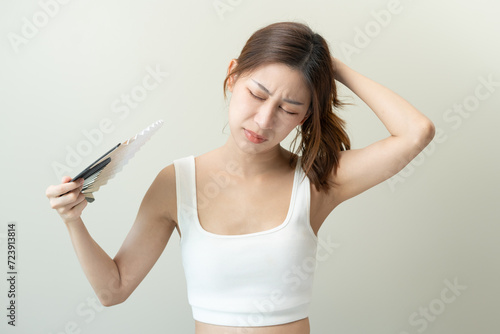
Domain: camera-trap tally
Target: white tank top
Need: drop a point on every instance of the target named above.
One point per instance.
(257, 279)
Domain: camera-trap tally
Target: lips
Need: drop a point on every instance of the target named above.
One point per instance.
(253, 137)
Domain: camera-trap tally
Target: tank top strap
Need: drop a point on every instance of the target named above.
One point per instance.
(301, 216)
(303, 180)
(186, 190)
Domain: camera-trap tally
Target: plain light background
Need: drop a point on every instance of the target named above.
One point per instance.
(397, 244)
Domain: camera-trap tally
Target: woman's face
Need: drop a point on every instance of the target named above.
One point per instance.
(266, 105)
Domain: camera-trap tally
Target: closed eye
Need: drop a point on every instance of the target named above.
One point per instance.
(258, 98)
(261, 99)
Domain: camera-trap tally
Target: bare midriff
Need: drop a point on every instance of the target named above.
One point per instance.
(296, 327)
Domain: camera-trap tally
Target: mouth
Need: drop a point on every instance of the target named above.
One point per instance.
(253, 137)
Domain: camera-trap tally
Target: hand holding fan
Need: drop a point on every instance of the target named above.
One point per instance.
(105, 168)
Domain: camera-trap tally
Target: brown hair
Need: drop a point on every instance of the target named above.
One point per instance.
(322, 134)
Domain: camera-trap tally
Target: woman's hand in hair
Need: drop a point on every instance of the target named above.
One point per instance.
(337, 66)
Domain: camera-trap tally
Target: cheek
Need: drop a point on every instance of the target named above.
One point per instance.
(237, 115)
(286, 129)
(240, 108)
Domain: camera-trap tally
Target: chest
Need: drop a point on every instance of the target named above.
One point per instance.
(233, 206)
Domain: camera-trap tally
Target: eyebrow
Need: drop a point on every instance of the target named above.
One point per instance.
(268, 92)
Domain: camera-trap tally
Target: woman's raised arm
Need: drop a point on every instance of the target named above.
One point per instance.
(410, 132)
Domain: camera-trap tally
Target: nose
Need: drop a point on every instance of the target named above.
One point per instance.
(265, 116)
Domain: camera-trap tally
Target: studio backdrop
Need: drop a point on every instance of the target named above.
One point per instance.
(418, 253)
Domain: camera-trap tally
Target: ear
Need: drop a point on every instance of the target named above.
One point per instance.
(232, 79)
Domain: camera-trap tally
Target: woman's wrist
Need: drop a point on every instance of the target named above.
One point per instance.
(339, 69)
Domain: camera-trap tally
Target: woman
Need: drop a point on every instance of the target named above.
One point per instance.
(248, 213)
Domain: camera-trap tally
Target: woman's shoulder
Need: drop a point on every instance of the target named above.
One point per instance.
(167, 173)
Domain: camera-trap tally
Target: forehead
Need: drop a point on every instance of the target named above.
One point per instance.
(280, 78)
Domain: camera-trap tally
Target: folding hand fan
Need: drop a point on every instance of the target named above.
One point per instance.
(105, 168)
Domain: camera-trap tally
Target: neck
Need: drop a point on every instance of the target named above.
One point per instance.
(254, 164)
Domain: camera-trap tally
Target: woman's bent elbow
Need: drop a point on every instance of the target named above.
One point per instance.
(428, 132)
(108, 299)
(424, 133)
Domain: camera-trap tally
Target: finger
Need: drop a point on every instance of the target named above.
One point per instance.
(65, 179)
(64, 208)
(81, 204)
(72, 212)
(62, 189)
(67, 199)
(77, 209)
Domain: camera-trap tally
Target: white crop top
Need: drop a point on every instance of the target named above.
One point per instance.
(257, 279)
